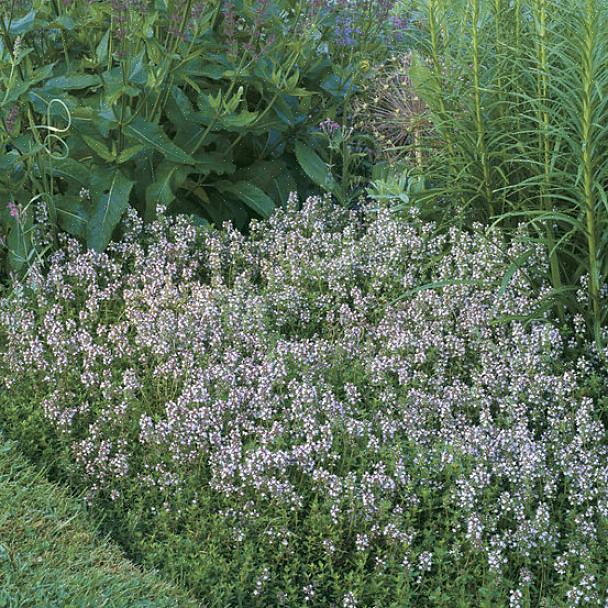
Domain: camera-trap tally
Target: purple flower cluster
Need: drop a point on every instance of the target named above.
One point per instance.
(346, 30)
(329, 126)
(353, 17)
(309, 359)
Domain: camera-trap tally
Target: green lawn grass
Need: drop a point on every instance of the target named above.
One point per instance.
(51, 556)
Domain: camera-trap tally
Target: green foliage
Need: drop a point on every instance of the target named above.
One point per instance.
(516, 94)
(203, 108)
(394, 183)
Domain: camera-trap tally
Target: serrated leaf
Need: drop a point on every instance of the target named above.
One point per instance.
(152, 134)
(111, 201)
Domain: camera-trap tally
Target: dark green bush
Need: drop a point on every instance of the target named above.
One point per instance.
(210, 108)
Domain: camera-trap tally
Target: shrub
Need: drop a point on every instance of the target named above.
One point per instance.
(340, 409)
(211, 108)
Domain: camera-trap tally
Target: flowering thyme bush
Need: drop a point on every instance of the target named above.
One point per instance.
(296, 418)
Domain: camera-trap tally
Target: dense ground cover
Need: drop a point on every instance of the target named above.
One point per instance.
(50, 555)
(340, 409)
(391, 396)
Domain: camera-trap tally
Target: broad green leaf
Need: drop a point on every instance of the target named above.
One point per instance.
(138, 74)
(12, 170)
(152, 134)
(65, 21)
(76, 81)
(214, 162)
(188, 136)
(227, 207)
(26, 144)
(128, 153)
(238, 121)
(99, 148)
(41, 73)
(261, 172)
(198, 191)
(23, 25)
(70, 169)
(251, 195)
(112, 191)
(72, 214)
(19, 241)
(142, 171)
(169, 177)
(18, 89)
(179, 108)
(335, 86)
(314, 167)
(9, 160)
(201, 66)
(102, 48)
(160, 191)
(282, 186)
(90, 121)
(115, 88)
(19, 247)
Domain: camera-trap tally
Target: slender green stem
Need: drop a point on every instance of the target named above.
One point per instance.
(587, 80)
(479, 120)
(436, 54)
(544, 143)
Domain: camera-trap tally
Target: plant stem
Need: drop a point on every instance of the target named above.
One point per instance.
(479, 122)
(587, 80)
(545, 146)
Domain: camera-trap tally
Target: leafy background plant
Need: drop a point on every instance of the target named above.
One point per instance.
(212, 109)
(516, 92)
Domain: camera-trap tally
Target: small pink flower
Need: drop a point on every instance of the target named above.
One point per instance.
(329, 126)
(13, 210)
